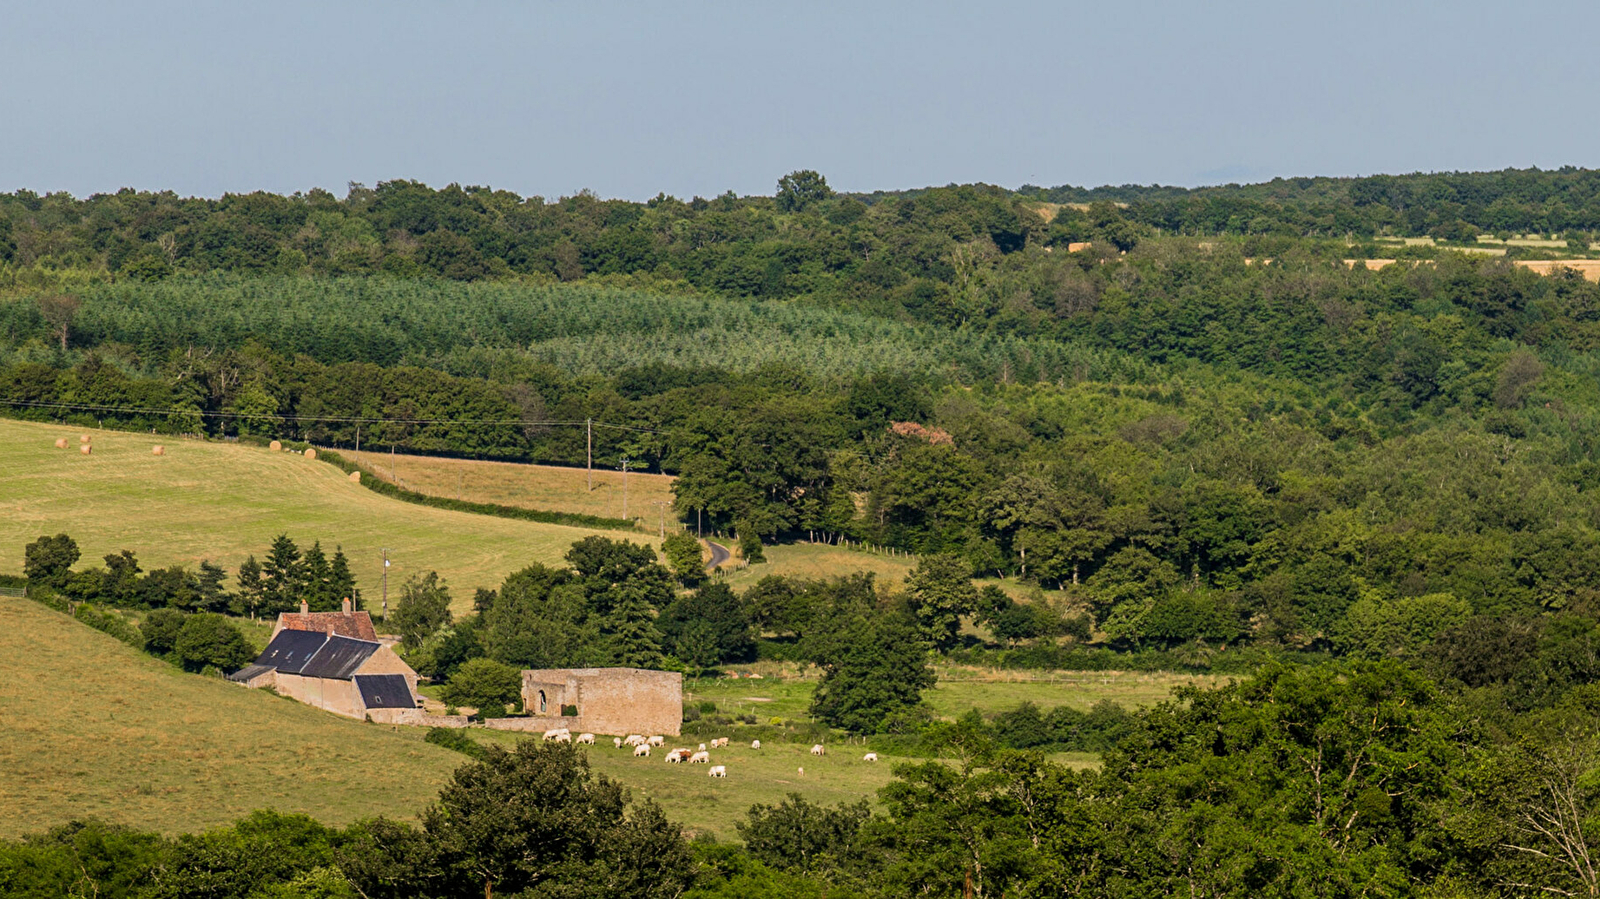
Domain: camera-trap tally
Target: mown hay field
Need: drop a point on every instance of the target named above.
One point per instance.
(223, 501)
(549, 488)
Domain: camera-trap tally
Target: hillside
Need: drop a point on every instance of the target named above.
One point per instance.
(97, 729)
(549, 488)
(223, 501)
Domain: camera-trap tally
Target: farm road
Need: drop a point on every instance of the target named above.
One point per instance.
(719, 554)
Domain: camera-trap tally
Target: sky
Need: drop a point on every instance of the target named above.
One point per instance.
(697, 98)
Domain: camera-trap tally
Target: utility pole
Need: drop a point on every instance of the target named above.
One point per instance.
(385, 583)
(697, 531)
(588, 425)
(358, 440)
(624, 487)
(661, 508)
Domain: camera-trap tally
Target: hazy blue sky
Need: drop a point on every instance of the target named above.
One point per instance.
(629, 99)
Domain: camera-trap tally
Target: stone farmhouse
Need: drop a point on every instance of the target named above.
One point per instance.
(347, 676)
(603, 700)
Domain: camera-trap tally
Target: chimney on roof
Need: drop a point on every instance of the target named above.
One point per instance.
(347, 605)
(303, 607)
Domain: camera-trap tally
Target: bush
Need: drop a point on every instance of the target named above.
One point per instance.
(483, 682)
(455, 739)
(110, 623)
(160, 629)
(211, 639)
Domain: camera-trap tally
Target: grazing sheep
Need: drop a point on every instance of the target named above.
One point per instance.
(817, 749)
(679, 755)
(634, 740)
(719, 742)
(554, 734)
(870, 757)
(802, 770)
(755, 744)
(617, 742)
(657, 740)
(641, 749)
(563, 738)
(702, 747)
(586, 738)
(719, 770)
(700, 758)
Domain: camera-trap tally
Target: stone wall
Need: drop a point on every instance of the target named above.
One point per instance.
(532, 725)
(614, 701)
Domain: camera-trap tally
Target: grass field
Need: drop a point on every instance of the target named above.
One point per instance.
(817, 560)
(704, 805)
(223, 501)
(96, 729)
(959, 690)
(544, 487)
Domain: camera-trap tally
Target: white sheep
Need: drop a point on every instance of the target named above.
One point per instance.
(585, 738)
(563, 738)
(702, 747)
(554, 734)
(802, 770)
(678, 755)
(641, 749)
(719, 742)
(634, 740)
(755, 744)
(657, 740)
(617, 742)
(817, 749)
(870, 757)
(700, 758)
(719, 770)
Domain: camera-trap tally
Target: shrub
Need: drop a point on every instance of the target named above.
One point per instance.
(110, 623)
(484, 682)
(160, 629)
(210, 639)
(455, 739)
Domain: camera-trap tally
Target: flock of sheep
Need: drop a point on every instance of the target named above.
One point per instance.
(642, 745)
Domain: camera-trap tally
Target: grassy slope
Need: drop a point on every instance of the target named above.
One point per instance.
(97, 729)
(222, 501)
(544, 487)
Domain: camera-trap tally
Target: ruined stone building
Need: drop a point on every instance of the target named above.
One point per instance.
(347, 676)
(604, 700)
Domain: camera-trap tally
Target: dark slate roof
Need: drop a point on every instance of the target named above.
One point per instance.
(249, 672)
(291, 650)
(384, 691)
(338, 658)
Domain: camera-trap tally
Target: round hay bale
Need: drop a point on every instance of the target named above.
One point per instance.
(275, 446)
(61, 443)
(83, 438)
(355, 477)
(158, 451)
(86, 449)
(310, 453)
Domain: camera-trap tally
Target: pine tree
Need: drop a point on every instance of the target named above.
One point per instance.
(282, 577)
(317, 578)
(341, 581)
(210, 596)
(252, 593)
(631, 634)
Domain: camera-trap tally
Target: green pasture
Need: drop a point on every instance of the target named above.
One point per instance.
(223, 501)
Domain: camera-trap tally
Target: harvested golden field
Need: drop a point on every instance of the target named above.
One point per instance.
(223, 501)
(547, 488)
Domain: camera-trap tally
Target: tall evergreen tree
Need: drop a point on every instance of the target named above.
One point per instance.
(341, 581)
(317, 580)
(209, 593)
(282, 577)
(252, 593)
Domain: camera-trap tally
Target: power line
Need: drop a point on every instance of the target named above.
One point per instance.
(327, 419)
